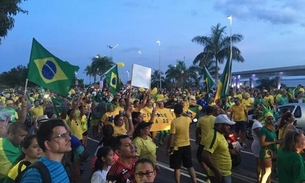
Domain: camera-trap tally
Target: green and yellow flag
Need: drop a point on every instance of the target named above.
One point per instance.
(208, 80)
(48, 71)
(112, 78)
(223, 84)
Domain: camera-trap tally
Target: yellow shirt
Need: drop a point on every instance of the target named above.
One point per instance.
(108, 118)
(239, 112)
(146, 148)
(37, 111)
(75, 128)
(219, 149)
(83, 121)
(206, 124)
(118, 110)
(248, 102)
(180, 127)
(119, 130)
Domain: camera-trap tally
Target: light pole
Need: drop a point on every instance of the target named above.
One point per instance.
(128, 75)
(140, 53)
(231, 43)
(111, 48)
(231, 47)
(159, 43)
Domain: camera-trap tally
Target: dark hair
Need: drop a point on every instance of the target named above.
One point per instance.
(108, 137)
(116, 118)
(45, 131)
(134, 115)
(14, 127)
(101, 153)
(284, 119)
(209, 110)
(178, 109)
(142, 161)
(27, 141)
(290, 139)
(117, 141)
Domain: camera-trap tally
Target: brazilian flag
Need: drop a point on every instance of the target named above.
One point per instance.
(48, 71)
(112, 78)
(208, 80)
(223, 84)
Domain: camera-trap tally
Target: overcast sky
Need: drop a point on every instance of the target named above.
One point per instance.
(76, 31)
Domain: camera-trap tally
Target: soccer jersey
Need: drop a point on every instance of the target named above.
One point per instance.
(121, 173)
(180, 127)
(206, 124)
(239, 112)
(218, 146)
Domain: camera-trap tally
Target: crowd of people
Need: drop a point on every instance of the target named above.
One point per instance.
(41, 138)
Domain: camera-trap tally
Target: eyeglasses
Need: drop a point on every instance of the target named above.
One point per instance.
(141, 174)
(63, 135)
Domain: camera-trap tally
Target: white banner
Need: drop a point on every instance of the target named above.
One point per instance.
(141, 76)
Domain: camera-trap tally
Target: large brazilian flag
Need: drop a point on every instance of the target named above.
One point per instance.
(223, 84)
(48, 71)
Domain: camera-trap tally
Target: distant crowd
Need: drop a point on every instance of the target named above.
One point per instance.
(43, 133)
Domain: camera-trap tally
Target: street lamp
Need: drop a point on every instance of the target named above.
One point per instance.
(231, 43)
(111, 48)
(140, 53)
(159, 43)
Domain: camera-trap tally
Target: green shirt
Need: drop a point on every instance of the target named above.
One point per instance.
(270, 137)
(290, 167)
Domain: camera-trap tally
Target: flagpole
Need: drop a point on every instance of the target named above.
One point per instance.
(25, 87)
(109, 70)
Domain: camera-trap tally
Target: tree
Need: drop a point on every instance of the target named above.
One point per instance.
(15, 77)
(199, 70)
(155, 79)
(8, 9)
(217, 48)
(182, 76)
(88, 71)
(267, 83)
(99, 66)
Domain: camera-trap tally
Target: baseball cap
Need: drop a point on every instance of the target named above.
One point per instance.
(223, 118)
(143, 125)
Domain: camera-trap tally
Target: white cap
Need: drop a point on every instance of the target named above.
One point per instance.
(223, 118)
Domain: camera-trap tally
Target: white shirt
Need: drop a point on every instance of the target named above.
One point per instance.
(255, 125)
(100, 176)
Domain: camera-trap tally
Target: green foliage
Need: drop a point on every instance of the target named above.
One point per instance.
(8, 9)
(14, 78)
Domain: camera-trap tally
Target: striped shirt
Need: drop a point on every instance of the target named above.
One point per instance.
(57, 172)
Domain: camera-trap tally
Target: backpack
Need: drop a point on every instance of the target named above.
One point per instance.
(43, 170)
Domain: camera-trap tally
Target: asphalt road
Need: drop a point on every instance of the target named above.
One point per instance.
(244, 173)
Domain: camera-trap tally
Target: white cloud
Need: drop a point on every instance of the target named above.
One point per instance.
(274, 11)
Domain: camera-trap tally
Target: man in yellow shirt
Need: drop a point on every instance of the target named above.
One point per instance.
(37, 110)
(216, 154)
(204, 126)
(239, 114)
(178, 146)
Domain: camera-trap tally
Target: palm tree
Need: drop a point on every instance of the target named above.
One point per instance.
(155, 78)
(199, 70)
(266, 83)
(100, 65)
(178, 73)
(88, 72)
(217, 48)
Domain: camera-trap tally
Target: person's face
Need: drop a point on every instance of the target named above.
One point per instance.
(149, 103)
(139, 118)
(122, 102)
(127, 149)
(144, 172)
(33, 151)
(269, 120)
(59, 142)
(146, 130)
(225, 128)
(109, 159)
(36, 103)
(120, 121)
(18, 137)
(3, 128)
(300, 144)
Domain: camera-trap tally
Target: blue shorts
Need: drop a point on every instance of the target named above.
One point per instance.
(240, 126)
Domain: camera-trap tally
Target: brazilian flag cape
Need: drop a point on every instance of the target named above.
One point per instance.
(8, 157)
(48, 71)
